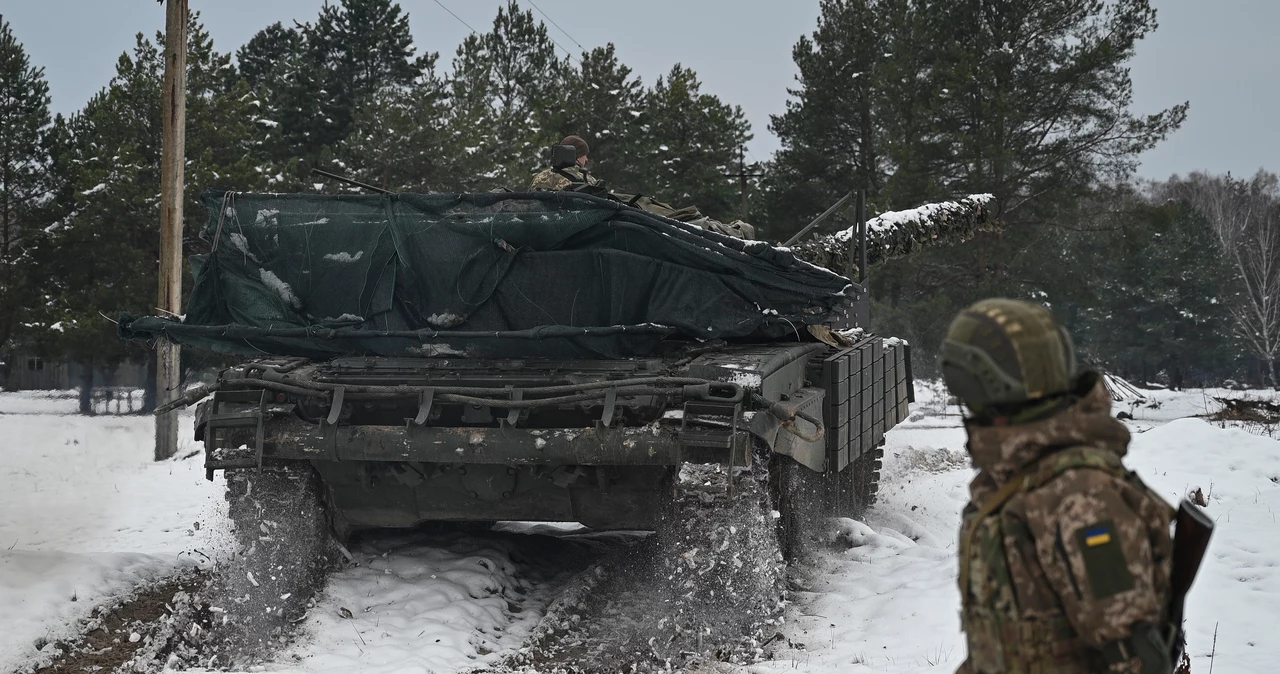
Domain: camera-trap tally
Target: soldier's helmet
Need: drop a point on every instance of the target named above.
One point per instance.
(1005, 352)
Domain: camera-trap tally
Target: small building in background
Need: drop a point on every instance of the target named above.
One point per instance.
(25, 372)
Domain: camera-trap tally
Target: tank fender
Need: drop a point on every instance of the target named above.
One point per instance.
(811, 454)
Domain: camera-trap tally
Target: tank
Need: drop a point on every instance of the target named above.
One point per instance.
(409, 359)
(537, 357)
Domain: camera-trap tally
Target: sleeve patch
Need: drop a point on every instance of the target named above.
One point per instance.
(1096, 536)
(1104, 561)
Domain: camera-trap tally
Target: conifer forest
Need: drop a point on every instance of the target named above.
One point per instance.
(1173, 281)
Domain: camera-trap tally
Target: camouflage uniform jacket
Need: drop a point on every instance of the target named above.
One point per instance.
(554, 180)
(1059, 568)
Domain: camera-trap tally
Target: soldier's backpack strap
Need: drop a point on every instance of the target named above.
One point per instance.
(1034, 476)
(567, 176)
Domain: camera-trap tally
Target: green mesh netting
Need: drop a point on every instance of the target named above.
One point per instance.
(485, 275)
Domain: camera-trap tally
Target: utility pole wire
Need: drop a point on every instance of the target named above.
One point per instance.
(476, 32)
(553, 22)
(450, 11)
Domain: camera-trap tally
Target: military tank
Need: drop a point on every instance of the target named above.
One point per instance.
(411, 359)
(544, 356)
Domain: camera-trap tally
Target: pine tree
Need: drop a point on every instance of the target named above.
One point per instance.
(605, 103)
(227, 137)
(1032, 100)
(24, 125)
(830, 133)
(1152, 290)
(401, 140)
(1026, 99)
(312, 80)
(275, 68)
(1035, 98)
(504, 84)
(262, 57)
(357, 48)
(692, 140)
(100, 255)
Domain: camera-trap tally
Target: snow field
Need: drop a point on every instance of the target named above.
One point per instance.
(889, 603)
(1238, 589)
(86, 516)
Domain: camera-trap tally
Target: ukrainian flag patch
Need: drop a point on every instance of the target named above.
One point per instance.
(1097, 536)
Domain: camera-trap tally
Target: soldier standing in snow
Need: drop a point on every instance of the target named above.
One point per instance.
(1065, 555)
(555, 178)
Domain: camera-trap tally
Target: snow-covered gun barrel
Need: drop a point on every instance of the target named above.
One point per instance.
(899, 233)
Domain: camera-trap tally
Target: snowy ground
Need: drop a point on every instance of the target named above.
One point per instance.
(85, 515)
(890, 604)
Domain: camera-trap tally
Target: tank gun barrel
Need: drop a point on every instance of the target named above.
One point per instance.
(898, 233)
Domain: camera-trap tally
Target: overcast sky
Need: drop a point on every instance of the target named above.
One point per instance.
(1221, 55)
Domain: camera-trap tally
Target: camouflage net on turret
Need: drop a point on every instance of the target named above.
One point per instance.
(898, 233)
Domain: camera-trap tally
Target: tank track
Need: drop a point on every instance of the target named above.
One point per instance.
(806, 500)
(707, 587)
(863, 483)
(283, 549)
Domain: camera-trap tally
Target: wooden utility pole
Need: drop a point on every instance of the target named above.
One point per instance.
(742, 177)
(172, 166)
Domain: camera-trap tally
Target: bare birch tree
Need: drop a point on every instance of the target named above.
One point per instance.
(1245, 214)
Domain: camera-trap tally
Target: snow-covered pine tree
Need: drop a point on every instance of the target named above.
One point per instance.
(357, 47)
(1026, 99)
(691, 140)
(1035, 97)
(604, 102)
(100, 253)
(313, 79)
(401, 140)
(1153, 291)
(227, 136)
(24, 159)
(504, 84)
(260, 58)
(274, 66)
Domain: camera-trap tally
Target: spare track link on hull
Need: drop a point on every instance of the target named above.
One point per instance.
(283, 550)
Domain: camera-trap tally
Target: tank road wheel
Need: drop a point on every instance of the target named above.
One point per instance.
(283, 549)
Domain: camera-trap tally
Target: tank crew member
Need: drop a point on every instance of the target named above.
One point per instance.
(558, 177)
